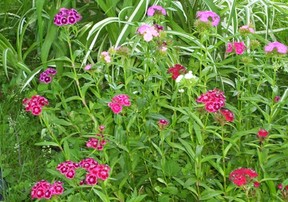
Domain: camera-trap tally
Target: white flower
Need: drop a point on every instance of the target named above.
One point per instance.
(179, 78)
(189, 75)
(181, 90)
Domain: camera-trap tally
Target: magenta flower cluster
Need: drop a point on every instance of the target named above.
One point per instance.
(45, 190)
(67, 17)
(97, 143)
(47, 75)
(214, 100)
(93, 168)
(35, 104)
(117, 103)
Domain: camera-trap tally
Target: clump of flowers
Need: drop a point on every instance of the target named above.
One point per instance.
(242, 176)
(208, 17)
(156, 10)
(67, 17)
(118, 101)
(106, 56)
(68, 168)
(227, 114)
(97, 143)
(35, 104)
(246, 29)
(187, 76)
(45, 190)
(47, 75)
(95, 171)
(237, 47)
(176, 70)
(276, 47)
(148, 32)
(214, 100)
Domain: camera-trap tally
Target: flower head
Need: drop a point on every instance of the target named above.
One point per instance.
(208, 17)
(106, 56)
(277, 98)
(35, 104)
(262, 133)
(153, 10)
(238, 47)
(246, 29)
(45, 190)
(162, 123)
(67, 17)
(47, 75)
(68, 168)
(176, 70)
(148, 32)
(227, 114)
(276, 47)
(97, 143)
(214, 100)
(117, 103)
(242, 176)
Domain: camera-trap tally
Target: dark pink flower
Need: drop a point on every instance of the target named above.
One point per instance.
(91, 179)
(44, 190)
(35, 104)
(67, 17)
(176, 71)
(237, 47)
(213, 100)
(115, 107)
(156, 10)
(256, 184)
(208, 16)
(277, 98)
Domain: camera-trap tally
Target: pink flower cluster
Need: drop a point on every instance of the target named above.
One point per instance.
(106, 56)
(47, 75)
(67, 17)
(176, 70)
(45, 190)
(35, 104)
(148, 32)
(118, 101)
(242, 176)
(214, 100)
(208, 16)
(276, 47)
(95, 170)
(237, 47)
(96, 143)
(156, 10)
(246, 29)
(68, 168)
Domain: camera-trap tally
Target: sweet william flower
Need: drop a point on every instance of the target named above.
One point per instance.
(227, 114)
(153, 10)
(277, 98)
(237, 47)
(262, 133)
(246, 29)
(148, 32)
(242, 176)
(208, 17)
(67, 17)
(276, 47)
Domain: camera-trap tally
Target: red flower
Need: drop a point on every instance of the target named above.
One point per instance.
(177, 70)
(228, 115)
(242, 176)
(256, 184)
(262, 133)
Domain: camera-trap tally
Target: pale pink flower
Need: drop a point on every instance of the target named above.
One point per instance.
(156, 10)
(247, 28)
(208, 16)
(105, 55)
(87, 67)
(148, 32)
(279, 47)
